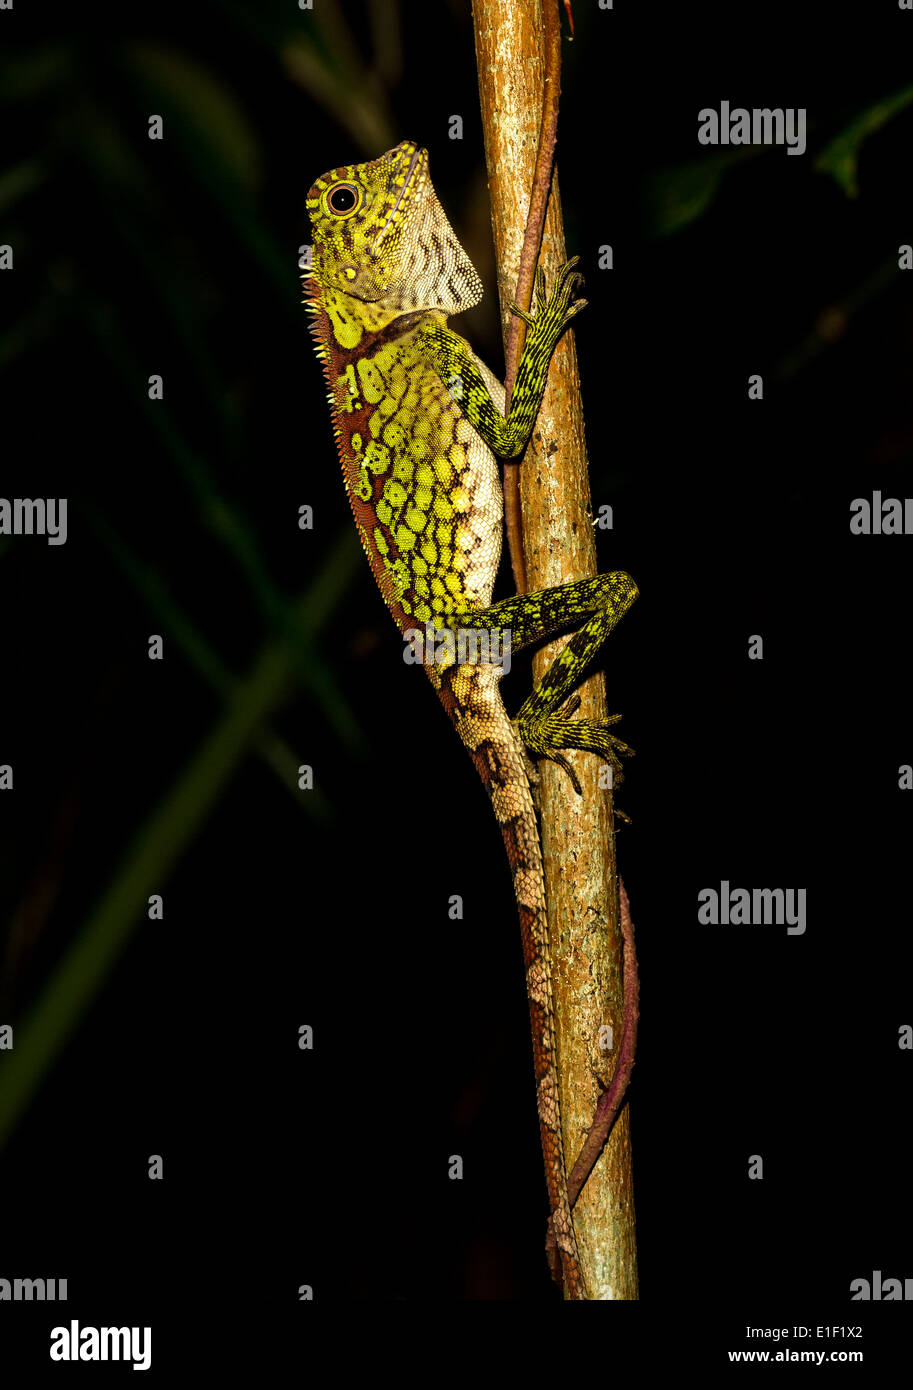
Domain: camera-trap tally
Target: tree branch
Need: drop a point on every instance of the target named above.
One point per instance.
(614, 1094)
(577, 831)
(526, 274)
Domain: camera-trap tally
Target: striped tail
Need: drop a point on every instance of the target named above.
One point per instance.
(471, 696)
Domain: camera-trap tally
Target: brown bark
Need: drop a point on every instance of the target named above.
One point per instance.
(577, 832)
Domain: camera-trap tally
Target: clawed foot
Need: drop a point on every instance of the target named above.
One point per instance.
(553, 315)
(556, 731)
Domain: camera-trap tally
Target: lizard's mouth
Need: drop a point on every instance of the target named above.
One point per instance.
(416, 163)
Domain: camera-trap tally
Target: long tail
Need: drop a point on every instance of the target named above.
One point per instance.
(471, 696)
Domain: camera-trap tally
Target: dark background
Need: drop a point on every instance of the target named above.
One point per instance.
(179, 257)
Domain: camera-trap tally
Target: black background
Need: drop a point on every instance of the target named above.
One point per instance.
(328, 1168)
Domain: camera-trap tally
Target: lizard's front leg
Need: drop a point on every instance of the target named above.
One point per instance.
(460, 371)
(593, 607)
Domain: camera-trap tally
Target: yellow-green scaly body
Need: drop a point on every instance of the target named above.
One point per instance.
(418, 422)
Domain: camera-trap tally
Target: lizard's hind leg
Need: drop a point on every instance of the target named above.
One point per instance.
(593, 607)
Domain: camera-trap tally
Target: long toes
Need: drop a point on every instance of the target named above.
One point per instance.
(563, 763)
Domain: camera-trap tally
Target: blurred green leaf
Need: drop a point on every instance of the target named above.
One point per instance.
(215, 144)
(180, 86)
(19, 181)
(682, 194)
(33, 73)
(157, 849)
(325, 58)
(151, 586)
(33, 328)
(353, 99)
(840, 157)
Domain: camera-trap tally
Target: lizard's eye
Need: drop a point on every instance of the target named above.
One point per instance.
(343, 199)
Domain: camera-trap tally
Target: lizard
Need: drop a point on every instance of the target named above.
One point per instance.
(419, 423)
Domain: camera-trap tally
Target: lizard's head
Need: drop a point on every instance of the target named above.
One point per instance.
(381, 235)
